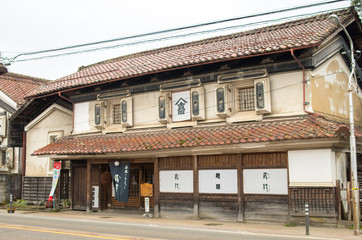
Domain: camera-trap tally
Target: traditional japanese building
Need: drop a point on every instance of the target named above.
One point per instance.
(246, 126)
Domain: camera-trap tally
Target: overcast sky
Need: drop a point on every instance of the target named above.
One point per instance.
(28, 26)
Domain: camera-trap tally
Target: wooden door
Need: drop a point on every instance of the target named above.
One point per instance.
(79, 177)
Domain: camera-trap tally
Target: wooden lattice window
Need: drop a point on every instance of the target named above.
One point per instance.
(117, 114)
(134, 190)
(246, 99)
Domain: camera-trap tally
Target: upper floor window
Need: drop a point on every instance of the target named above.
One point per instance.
(114, 111)
(181, 101)
(246, 99)
(117, 114)
(243, 92)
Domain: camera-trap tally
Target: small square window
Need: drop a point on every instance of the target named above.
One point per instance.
(246, 99)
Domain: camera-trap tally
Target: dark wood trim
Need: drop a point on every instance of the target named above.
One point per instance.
(71, 192)
(240, 189)
(196, 189)
(156, 175)
(88, 187)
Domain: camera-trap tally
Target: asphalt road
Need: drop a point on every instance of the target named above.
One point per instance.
(21, 226)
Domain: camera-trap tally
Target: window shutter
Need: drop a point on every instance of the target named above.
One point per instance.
(262, 96)
(198, 103)
(163, 108)
(222, 101)
(99, 114)
(126, 112)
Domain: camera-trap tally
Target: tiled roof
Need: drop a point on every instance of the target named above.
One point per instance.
(17, 86)
(300, 128)
(303, 33)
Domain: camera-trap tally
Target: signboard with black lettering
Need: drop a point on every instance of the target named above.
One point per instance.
(120, 179)
(177, 181)
(265, 181)
(181, 107)
(218, 181)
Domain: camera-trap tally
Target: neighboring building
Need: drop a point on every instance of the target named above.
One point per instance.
(246, 126)
(13, 88)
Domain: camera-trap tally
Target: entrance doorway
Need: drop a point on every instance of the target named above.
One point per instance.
(139, 174)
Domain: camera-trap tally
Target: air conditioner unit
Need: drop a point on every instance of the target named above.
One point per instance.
(197, 103)
(262, 96)
(222, 103)
(99, 114)
(126, 112)
(164, 108)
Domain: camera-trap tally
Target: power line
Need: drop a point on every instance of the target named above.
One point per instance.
(13, 59)
(171, 37)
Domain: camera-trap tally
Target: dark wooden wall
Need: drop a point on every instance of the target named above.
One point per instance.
(225, 206)
(178, 205)
(260, 206)
(218, 206)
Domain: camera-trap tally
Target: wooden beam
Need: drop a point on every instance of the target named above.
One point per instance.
(88, 187)
(196, 189)
(240, 189)
(156, 174)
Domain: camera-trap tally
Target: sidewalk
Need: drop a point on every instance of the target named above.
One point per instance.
(274, 229)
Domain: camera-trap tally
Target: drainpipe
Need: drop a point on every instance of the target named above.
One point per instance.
(60, 95)
(302, 67)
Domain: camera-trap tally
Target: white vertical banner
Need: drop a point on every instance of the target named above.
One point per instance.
(56, 174)
(181, 106)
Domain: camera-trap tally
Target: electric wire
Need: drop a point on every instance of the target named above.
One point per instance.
(10, 60)
(171, 37)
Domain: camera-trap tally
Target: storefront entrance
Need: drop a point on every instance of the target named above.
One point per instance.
(139, 174)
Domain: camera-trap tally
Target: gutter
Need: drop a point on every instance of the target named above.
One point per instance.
(304, 82)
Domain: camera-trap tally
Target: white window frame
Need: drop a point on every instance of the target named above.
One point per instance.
(56, 135)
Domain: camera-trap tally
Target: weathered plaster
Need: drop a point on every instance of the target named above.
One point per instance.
(329, 87)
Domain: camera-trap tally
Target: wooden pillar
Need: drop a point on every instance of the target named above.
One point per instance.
(156, 174)
(88, 187)
(240, 189)
(196, 189)
(71, 193)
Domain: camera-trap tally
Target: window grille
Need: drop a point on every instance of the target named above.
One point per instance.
(117, 114)
(246, 99)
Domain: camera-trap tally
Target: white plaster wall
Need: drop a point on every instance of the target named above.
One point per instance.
(37, 137)
(145, 109)
(286, 93)
(312, 167)
(81, 117)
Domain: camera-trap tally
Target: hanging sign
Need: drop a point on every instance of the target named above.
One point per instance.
(181, 108)
(120, 179)
(56, 174)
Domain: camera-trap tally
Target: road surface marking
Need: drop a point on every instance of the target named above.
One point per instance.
(62, 233)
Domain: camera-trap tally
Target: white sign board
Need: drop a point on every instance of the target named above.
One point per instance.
(218, 181)
(265, 181)
(181, 107)
(177, 181)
